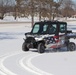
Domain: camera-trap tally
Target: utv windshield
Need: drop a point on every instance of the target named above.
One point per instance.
(40, 29)
(44, 29)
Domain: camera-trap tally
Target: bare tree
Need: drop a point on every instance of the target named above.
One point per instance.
(17, 8)
(51, 8)
(5, 6)
(32, 9)
(1, 10)
(67, 10)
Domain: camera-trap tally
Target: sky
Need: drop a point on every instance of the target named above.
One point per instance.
(74, 0)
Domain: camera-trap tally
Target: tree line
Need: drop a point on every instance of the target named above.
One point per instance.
(41, 8)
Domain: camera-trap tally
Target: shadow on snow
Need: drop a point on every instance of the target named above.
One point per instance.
(9, 35)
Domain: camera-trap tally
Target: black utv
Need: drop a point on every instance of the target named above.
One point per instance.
(48, 34)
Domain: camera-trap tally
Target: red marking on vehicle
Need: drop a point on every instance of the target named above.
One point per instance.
(56, 39)
(55, 46)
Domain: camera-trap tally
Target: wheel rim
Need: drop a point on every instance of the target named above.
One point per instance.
(71, 47)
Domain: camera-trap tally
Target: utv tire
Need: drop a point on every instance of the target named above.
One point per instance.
(24, 47)
(41, 48)
(71, 46)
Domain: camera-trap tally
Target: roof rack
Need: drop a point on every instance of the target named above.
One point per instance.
(51, 20)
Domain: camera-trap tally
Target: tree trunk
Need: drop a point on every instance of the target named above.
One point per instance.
(50, 17)
(32, 18)
(39, 16)
(15, 10)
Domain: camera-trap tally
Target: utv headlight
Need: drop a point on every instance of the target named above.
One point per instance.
(38, 39)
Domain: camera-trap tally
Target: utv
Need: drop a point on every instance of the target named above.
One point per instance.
(49, 34)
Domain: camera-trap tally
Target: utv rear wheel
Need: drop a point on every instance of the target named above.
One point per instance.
(41, 48)
(24, 47)
(71, 46)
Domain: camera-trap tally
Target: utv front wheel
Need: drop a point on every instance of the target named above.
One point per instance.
(41, 48)
(71, 46)
(24, 47)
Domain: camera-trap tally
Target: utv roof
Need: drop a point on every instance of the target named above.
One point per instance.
(52, 22)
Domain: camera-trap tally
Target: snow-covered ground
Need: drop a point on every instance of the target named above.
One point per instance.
(22, 19)
(28, 19)
(14, 61)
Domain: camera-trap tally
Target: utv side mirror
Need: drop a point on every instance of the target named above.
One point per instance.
(27, 33)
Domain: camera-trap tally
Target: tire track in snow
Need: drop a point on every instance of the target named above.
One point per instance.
(26, 66)
(3, 69)
(2, 73)
(30, 67)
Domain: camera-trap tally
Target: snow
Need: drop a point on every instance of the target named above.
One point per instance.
(28, 19)
(14, 61)
(22, 19)
(60, 63)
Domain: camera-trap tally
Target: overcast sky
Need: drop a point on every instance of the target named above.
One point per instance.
(74, 0)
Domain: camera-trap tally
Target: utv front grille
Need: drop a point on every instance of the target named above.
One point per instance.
(30, 40)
